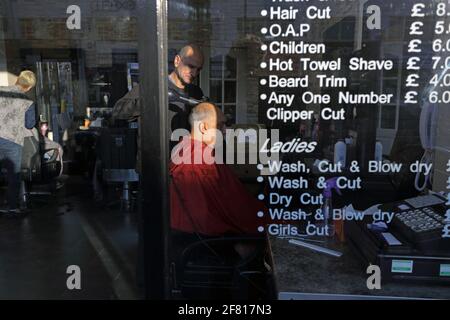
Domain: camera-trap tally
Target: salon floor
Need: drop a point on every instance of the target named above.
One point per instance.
(64, 230)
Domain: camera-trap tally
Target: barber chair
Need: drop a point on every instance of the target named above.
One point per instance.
(210, 268)
(117, 153)
(40, 168)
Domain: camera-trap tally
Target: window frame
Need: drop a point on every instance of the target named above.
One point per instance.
(240, 104)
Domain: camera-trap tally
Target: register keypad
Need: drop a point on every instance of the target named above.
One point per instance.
(421, 220)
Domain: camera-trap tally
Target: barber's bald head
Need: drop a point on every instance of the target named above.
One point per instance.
(191, 50)
(206, 120)
(188, 63)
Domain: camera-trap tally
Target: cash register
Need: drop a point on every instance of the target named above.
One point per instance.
(411, 247)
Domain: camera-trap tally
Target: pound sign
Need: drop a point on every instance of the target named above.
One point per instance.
(410, 97)
(447, 216)
(446, 231)
(417, 10)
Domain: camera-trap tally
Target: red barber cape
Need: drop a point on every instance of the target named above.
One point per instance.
(208, 198)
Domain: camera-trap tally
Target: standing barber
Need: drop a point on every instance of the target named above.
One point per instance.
(14, 104)
(187, 66)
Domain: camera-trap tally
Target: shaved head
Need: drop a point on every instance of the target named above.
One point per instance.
(191, 50)
(204, 112)
(205, 120)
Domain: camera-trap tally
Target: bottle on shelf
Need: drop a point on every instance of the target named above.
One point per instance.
(378, 151)
(87, 118)
(332, 227)
(340, 152)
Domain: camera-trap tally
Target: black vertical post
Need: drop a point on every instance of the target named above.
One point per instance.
(154, 144)
(367, 114)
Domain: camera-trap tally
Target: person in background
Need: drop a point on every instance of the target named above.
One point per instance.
(14, 105)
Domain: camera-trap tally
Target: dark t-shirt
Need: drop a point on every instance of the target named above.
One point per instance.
(179, 112)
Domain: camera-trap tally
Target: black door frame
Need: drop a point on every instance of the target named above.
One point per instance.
(154, 144)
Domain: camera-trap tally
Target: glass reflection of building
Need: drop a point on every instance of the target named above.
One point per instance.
(91, 68)
(76, 69)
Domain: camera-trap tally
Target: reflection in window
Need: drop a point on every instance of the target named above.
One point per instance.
(388, 116)
(215, 90)
(223, 85)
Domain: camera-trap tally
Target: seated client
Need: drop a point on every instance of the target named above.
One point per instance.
(206, 197)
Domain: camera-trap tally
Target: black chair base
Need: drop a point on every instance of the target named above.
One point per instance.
(210, 268)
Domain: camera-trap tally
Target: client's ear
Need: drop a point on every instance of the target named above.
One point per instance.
(203, 127)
